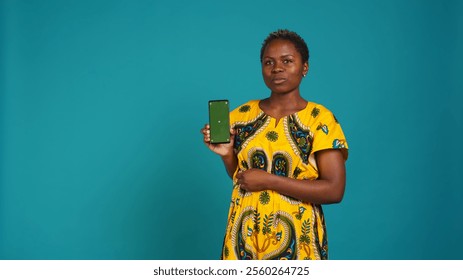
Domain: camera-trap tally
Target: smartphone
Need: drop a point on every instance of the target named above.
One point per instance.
(219, 121)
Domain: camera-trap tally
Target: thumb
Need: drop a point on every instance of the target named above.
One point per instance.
(232, 134)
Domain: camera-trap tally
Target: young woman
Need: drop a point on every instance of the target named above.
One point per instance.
(286, 157)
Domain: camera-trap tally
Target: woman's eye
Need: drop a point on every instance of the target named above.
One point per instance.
(268, 62)
(286, 61)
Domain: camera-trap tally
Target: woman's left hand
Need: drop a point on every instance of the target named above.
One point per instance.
(253, 180)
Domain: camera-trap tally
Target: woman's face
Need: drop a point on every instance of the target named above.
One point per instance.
(282, 66)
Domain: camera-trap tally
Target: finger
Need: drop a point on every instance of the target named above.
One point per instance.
(233, 131)
(205, 131)
(205, 127)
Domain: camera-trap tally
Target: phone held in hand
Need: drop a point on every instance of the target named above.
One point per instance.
(219, 121)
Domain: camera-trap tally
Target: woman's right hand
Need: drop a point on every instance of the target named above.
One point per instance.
(224, 149)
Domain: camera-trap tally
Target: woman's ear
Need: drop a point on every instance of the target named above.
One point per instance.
(305, 69)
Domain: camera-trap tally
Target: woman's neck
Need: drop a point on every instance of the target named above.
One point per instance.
(281, 105)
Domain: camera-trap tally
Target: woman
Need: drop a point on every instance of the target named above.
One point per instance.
(286, 158)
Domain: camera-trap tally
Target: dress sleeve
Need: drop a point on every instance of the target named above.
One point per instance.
(328, 133)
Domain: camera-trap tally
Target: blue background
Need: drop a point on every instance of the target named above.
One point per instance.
(102, 102)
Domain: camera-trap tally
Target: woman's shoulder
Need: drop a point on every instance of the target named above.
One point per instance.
(314, 109)
(246, 111)
(248, 106)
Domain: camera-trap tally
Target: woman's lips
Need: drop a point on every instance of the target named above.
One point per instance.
(278, 80)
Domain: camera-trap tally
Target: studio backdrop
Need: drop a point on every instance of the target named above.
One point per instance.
(101, 104)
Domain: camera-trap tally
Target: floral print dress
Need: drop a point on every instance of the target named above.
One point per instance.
(266, 224)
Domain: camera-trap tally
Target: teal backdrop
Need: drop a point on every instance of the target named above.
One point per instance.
(102, 102)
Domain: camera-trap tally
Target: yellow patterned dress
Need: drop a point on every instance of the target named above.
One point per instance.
(266, 224)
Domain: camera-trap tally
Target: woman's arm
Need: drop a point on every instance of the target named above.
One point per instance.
(230, 162)
(225, 151)
(327, 189)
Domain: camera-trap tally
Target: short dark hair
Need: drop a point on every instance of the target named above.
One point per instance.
(293, 37)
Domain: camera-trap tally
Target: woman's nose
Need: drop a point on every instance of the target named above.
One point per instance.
(277, 68)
